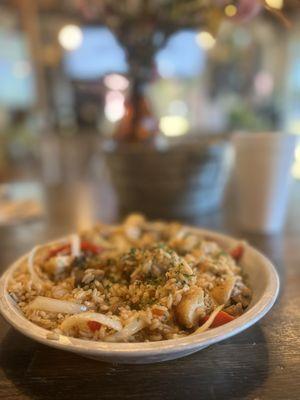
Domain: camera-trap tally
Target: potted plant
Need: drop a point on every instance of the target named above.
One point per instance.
(179, 179)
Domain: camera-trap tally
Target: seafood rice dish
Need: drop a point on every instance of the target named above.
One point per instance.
(138, 281)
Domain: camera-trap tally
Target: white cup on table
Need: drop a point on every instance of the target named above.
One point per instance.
(263, 164)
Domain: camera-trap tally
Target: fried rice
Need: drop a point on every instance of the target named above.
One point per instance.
(134, 282)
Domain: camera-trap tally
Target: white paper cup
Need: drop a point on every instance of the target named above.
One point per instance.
(263, 164)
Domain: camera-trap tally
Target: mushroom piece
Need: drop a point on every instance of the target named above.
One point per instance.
(191, 308)
(221, 293)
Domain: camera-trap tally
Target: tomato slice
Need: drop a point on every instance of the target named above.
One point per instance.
(221, 318)
(94, 325)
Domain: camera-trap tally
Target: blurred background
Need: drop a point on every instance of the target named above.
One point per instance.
(65, 75)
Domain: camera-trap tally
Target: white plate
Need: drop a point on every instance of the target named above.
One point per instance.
(262, 278)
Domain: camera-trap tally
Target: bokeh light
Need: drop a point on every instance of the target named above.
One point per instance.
(205, 40)
(230, 10)
(70, 37)
(277, 4)
(114, 106)
(173, 125)
(116, 82)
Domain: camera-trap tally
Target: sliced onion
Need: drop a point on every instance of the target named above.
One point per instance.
(75, 245)
(57, 306)
(110, 322)
(210, 320)
(130, 329)
(30, 263)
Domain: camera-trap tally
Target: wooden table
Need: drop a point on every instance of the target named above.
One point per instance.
(261, 363)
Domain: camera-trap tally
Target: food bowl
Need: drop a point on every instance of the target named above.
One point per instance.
(261, 276)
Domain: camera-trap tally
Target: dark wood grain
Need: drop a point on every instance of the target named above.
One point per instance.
(262, 363)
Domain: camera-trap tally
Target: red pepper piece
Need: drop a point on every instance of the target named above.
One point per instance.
(57, 250)
(221, 318)
(85, 246)
(91, 247)
(158, 312)
(94, 325)
(237, 252)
